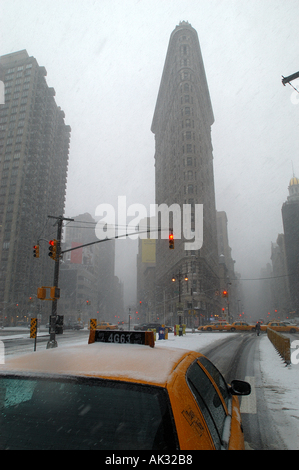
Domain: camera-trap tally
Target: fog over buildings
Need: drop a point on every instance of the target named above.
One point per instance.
(105, 60)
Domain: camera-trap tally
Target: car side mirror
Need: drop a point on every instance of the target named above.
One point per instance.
(239, 387)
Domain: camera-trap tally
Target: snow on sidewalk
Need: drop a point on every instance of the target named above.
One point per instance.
(281, 388)
(194, 341)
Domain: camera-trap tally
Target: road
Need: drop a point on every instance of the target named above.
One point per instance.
(17, 341)
(238, 358)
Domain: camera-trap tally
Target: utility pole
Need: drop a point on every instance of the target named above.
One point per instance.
(52, 343)
(290, 78)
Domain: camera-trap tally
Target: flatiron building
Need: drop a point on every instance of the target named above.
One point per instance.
(182, 123)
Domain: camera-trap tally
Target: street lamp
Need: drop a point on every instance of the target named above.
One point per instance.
(179, 276)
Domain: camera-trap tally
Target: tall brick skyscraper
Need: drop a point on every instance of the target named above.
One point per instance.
(34, 147)
(184, 175)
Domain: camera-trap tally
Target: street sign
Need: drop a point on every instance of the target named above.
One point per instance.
(93, 323)
(33, 328)
(33, 331)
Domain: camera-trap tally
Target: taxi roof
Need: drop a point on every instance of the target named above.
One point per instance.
(130, 362)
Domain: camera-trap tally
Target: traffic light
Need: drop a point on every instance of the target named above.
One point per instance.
(224, 293)
(36, 251)
(54, 293)
(41, 293)
(171, 241)
(53, 249)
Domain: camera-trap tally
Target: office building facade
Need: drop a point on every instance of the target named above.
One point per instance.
(89, 287)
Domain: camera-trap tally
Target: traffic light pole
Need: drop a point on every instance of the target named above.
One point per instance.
(52, 343)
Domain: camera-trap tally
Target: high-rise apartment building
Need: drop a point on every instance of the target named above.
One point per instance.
(34, 148)
(290, 217)
(184, 175)
(280, 285)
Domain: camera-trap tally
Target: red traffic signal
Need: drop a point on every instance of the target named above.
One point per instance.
(36, 251)
(171, 241)
(225, 293)
(53, 249)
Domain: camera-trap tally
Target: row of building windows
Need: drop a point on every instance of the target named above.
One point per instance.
(188, 148)
(190, 189)
(188, 135)
(186, 99)
(187, 111)
(18, 69)
(17, 88)
(186, 88)
(188, 123)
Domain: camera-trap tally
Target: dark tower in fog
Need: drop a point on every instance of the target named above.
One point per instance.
(34, 148)
(290, 217)
(184, 175)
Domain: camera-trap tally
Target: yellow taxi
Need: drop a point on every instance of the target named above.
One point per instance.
(105, 325)
(280, 326)
(240, 326)
(217, 326)
(110, 395)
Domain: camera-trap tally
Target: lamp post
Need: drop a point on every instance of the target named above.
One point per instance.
(178, 277)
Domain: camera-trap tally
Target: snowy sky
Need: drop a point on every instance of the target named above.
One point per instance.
(105, 60)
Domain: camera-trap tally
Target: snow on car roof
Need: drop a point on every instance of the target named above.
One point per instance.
(120, 361)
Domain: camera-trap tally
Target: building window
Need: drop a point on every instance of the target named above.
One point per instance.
(190, 188)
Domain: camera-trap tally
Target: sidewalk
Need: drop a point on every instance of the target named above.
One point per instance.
(281, 388)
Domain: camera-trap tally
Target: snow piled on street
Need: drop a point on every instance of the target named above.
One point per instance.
(194, 341)
(281, 388)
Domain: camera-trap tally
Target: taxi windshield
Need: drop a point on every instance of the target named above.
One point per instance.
(38, 413)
